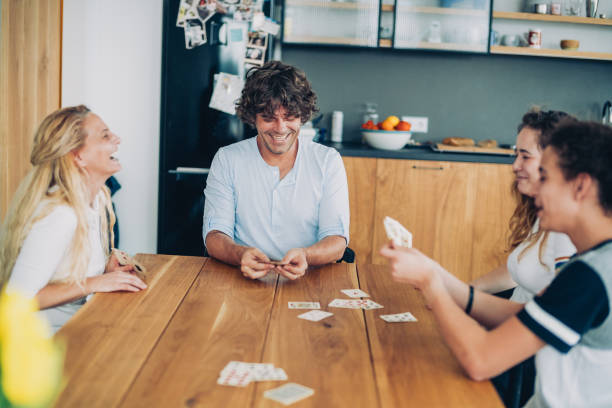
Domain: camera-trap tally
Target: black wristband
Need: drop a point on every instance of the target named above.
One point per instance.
(470, 302)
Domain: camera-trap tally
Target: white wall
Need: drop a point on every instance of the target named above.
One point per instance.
(111, 61)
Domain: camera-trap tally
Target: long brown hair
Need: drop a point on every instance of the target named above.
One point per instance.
(59, 134)
(525, 215)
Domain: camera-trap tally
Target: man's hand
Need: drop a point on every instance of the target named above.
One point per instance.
(254, 264)
(294, 264)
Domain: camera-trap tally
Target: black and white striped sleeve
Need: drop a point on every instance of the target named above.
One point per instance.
(575, 302)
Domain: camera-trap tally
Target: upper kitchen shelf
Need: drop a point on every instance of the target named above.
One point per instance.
(510, 15)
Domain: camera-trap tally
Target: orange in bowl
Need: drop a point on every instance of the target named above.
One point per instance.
(569, 44)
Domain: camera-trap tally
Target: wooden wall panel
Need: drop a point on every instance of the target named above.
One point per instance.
(361, 176)
(30, 66)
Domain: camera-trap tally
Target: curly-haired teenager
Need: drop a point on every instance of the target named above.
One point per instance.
(276, 196)
(54, 244)
(568, 327)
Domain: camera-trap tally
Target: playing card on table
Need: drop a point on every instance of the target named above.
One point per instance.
(397, 233)
(399, 317)
(315, 315)
(371, 305)
(289, 393)
(354, 293)
(347, 303)
(304, 305)
(235, 374)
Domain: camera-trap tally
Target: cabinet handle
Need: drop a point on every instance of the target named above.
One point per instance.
(427, 168)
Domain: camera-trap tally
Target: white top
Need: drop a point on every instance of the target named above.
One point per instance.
(529, 273)
(43, 257)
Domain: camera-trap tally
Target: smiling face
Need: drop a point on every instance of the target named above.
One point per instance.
(279, 132)
(96, 156)
(527, 161)
(555, 198)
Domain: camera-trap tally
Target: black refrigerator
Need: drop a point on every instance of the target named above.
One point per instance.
(190, 132)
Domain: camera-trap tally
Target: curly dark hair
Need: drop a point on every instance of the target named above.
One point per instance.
(541, 120)
(585, 147)
(273, 86)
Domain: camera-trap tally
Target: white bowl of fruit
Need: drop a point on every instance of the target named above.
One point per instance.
(390, 134)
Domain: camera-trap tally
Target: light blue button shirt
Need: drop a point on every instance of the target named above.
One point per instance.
(246, 200)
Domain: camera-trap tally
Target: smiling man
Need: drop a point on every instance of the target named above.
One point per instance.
(276, 202)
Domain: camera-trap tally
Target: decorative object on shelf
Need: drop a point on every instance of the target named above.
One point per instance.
(573, 7)
(591, 8)
(435, 32)
(555, 9)
(541, 8)
(535, 38)
(569, 44)
(510, 40)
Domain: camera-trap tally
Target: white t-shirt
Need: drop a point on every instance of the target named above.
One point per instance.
(43, 257)
(529, 274)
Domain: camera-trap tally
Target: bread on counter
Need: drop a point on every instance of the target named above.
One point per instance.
(487, 143)
(458, 141)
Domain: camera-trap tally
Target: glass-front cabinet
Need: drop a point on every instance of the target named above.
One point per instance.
(331, 22)
(455, 25)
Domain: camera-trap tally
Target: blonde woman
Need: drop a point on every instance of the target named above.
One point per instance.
(55, 241)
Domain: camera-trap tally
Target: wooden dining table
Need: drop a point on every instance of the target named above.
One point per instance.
(165, 346)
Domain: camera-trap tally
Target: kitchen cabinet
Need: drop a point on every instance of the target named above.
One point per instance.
(459, 25)
(331, 22)
(594, 34)
(457, 212)
(450, 25)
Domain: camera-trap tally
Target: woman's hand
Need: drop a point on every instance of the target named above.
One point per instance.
(115, 281)
(114, 265)
(409, 265)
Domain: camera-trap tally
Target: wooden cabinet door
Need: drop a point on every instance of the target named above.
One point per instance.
(361, 176)
(458, 212)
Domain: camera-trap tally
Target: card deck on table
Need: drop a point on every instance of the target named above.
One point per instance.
(277, 263)
(354, 293)
(397, 233)
(289, 393)
(304, 305)
(399, 317)
(315, 315)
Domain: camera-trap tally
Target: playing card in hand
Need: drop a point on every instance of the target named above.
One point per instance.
(397, 233)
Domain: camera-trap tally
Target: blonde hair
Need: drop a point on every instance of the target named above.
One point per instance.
(59, 134)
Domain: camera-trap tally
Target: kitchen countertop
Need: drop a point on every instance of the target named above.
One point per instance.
(424, 152)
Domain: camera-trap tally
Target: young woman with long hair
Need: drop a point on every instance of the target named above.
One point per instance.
(534, 253)
(568, 327)
(55, 243)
